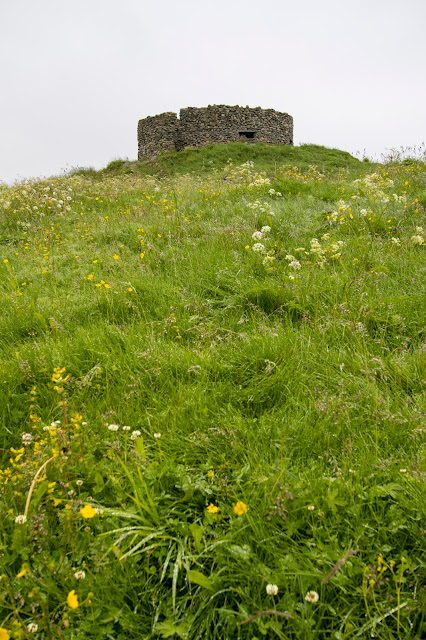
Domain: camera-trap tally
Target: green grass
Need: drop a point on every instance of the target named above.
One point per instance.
(283, 388)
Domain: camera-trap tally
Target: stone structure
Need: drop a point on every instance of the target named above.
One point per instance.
(215, 124)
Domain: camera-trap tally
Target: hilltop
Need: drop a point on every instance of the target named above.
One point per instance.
(212, 401)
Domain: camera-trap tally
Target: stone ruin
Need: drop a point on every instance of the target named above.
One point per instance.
(215, 124)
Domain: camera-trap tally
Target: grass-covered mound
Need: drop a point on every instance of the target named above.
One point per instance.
(212, 399)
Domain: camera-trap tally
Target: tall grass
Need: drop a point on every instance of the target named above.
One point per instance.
(223, 353)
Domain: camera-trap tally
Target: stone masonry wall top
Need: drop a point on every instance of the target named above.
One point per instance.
(215, 124)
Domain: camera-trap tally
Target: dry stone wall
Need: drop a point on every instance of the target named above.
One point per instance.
(215, 124)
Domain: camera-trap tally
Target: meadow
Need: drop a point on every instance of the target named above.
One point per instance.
(212, 399)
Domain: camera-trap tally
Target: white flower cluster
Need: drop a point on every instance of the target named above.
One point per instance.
(293, 263)
(272, 192)
(258, 247)
(264, 207)
(259, 235)
(27, 439)
(420, 237)
(371, 186)
(322, 254)
(258, 180)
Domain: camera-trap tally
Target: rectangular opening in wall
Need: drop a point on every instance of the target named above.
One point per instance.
(247, 134)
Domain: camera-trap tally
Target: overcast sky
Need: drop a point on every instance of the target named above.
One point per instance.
(77, 75)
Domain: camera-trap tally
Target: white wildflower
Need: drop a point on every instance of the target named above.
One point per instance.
(312, 597)
(32, 627)
(126, 428)
(113, 427)
(295, 264)
(135, 434)
(258, 247)
(26, 438)
(265, 229)
(79, 575)
(271, 589)
(20, 519)
(396, 241)
(417, 239)
(257, 235)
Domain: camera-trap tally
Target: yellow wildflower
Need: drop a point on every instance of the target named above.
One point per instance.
(142, 255)
(116, 257)
(240, 508)
(90, 277)
(87, 511)
(212, 508)
(22, 572)
(72, 600)
(4, 635)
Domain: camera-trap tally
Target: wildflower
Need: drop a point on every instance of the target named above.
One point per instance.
(212, 508)
(79, 575)
(5, 261)
(265, 229)
(257, 235)
(126, 428)
(87, 511)
(258, 247)
(157, 435)
(247, 246)
(240, 508)
(116, 257)
(417, 239)
(295, 264)
(22, 572)
(90, 276)
(311, 507)
(135, 434)
(271, 589)
(142, 255)
(98, 511)
(396, 241)
(20, 519)
(403, 471)
(113, 427)
(79, 483)
(312, 597)
(4, 635)
(72, 600)
(32, 627)
(26, 438)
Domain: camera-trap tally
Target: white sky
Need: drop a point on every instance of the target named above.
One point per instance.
(77, 75)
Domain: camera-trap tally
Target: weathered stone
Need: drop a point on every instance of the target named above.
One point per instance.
(215, 124)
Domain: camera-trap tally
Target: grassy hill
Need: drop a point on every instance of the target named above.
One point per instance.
(212, 398)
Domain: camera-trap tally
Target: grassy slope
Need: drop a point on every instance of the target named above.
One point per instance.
(278, 387)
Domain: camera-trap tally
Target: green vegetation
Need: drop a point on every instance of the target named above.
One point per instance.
(212, 399)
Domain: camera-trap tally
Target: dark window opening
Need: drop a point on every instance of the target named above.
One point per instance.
(247, 134)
